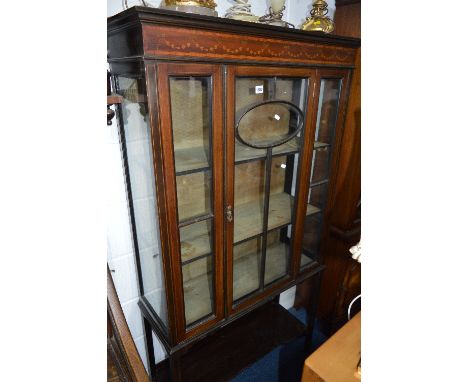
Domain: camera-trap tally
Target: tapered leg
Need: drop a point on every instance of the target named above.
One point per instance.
(175, 365)
(312, 309)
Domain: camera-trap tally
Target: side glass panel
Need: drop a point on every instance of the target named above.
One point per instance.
(324, 138)
(143, 203)
(268, 143)
(191, 113)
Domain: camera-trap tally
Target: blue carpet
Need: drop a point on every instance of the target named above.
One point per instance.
(284, 363)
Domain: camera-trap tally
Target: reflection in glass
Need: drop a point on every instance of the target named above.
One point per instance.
(198, 289)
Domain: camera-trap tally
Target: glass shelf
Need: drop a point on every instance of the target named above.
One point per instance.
(246, 153)
(196, 238)
(249, 215)
(195, 159)
(190, 160)
(198, 290)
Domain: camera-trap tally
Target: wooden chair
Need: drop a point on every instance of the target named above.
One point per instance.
(123, 361)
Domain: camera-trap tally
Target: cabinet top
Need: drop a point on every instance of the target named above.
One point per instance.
(148, 15)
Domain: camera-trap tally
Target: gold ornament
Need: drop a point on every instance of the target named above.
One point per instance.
(195, 3)
(318, 21)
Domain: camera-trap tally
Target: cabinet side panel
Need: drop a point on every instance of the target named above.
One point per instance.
(136, 139)
(164, 210)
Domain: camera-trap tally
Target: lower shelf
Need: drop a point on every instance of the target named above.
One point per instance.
(235, 346)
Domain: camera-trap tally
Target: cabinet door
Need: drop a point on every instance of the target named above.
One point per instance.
(267, 130)
(190, 98)
(329, 107)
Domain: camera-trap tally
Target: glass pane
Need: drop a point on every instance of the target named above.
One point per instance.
(246, 268)
(191, 113)
(140, 170)
(318, 195)
(269, 124)
(311, 241)
(249, 199)
(191, 121)
(328, 110)
(196, 240)
(277, 254)
(265, 174)
(320, 165)
(194, 194)
(320, 168)
(281, 206)
(198, 289)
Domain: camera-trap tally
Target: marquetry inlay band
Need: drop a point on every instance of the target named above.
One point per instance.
(170, 41)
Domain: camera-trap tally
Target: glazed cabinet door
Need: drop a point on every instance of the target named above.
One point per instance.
(268, 131)
(190, 106)
(328, 110)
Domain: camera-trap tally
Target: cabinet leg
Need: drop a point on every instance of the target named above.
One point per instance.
(312, 310)
(149, 349)
(175, 367)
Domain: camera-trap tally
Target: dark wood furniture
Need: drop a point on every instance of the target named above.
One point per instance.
(342, 278)
(230, 133)
(123, 361)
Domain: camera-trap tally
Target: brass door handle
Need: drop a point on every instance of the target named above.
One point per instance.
(229, 213)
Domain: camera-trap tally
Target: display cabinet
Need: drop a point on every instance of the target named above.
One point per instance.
(229, 134)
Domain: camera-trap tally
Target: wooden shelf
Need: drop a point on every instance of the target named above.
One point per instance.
(113, 99)
(247, 223)
(195, 158)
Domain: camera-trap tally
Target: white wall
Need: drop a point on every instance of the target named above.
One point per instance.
(295, 13)
(119, 253)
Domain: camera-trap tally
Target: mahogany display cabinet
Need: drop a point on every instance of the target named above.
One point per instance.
(230, 133)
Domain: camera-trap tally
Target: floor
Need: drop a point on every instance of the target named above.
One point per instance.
(284, 363)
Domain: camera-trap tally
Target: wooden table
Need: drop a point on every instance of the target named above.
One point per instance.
(337, 359)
